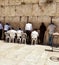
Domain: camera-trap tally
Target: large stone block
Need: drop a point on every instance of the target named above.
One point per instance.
(57, 0)
(3, 11)
(2, 2)
(15, 19)
(57, 9)
(12, 2)
(31, 1)
(18, 2)
(15, 22)
(42, 1)
(8, 19)
(23, 19)
(36, 10)
(7, 11)
(0, 11)
(27, 10)
(6, 2)
(49, 9)
(2, 19)
(10, 11)
(19, 11)
(24, 10)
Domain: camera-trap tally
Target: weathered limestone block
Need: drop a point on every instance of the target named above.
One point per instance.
(49, 10)
(36, 10)
(42, 1)
(15, 19)
(7, 11)
(6, 2)
(2, 2)
(3, 11)
(2, 19)
(18, 2)
(0, 11)
(15, 22)
(31, 1)
(19, 11)
(23, 19)
(10, 11)
(24, 10)
(57, 9)
(57, 0)
(27, 10)
(22, 25)
(12, 2)
(8, 19)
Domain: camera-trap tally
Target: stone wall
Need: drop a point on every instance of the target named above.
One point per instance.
(18, 12)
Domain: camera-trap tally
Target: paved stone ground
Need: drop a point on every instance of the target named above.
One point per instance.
(21, 54)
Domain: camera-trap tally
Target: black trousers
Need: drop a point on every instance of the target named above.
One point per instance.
(28, 36)
(41, 37)
(0, 34)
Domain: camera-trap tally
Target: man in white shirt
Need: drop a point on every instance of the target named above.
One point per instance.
(51, 29)
(28, 29)
(1, 28)
(6, 27)
(28, 26)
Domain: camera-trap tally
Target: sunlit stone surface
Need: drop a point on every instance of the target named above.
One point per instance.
(21, 54)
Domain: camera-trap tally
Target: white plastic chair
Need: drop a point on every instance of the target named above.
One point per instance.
(19, 36)
(7, 36)
(12, 35)
(24, 36)
(33, 40)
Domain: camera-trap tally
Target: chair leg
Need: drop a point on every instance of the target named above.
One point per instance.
(32, 42)
(6, 39)
(25, 41)
(9, 40)
(22, 41)
(13, 40)
(35, 42)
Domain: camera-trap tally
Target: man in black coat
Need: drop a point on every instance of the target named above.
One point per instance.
(42, 32)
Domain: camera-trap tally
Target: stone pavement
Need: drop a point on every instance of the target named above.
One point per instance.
(21, 54)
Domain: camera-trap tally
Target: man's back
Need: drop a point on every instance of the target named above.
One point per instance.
(28, 26)
(51, 28)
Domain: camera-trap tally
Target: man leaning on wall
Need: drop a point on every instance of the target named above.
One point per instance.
(51, 29)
